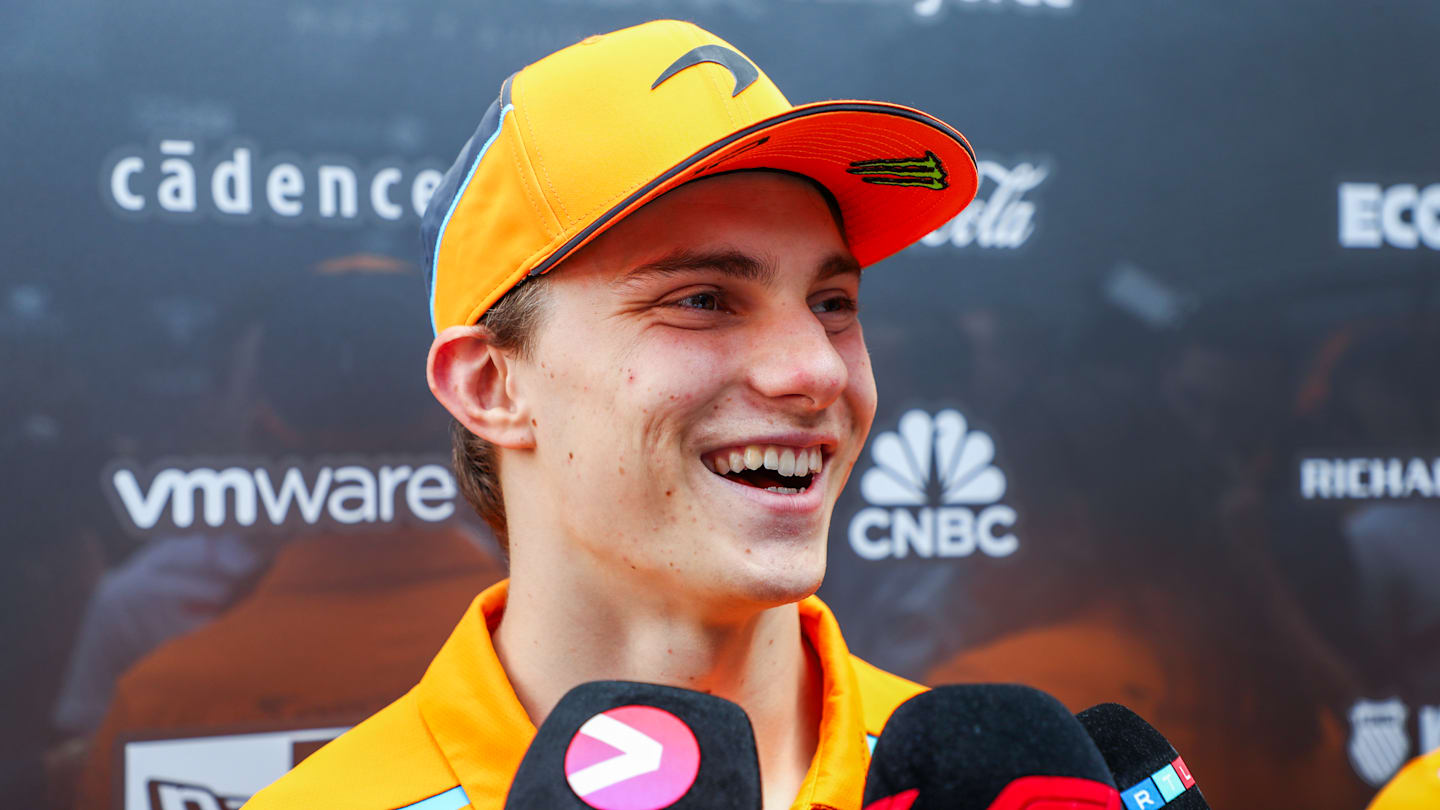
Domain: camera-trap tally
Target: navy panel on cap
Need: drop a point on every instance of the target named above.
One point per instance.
(452, 186)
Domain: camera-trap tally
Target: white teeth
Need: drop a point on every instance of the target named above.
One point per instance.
(783, 490)
(787, 462)
(753, 457)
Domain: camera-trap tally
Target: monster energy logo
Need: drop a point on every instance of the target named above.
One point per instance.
(926, 172)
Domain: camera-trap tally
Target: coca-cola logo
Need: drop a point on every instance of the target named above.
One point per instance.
(1000, 217)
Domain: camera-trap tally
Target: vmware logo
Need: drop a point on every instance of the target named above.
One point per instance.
(182, 493)
(934, 492)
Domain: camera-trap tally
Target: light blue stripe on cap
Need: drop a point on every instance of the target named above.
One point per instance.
(454, 203)
(452, 799)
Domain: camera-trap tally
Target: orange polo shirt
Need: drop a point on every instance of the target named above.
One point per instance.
(457, 738)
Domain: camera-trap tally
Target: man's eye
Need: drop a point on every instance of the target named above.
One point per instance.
(835, 303)
(701, 300)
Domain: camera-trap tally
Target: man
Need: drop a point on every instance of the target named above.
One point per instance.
(658, 426)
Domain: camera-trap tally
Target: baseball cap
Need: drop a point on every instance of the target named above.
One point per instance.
(584, 137)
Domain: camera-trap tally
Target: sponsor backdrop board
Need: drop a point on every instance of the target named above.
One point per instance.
(1158, 422)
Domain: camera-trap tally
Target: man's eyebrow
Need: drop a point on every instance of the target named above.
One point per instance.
(838, 264)
(731, 263)
(683, 260)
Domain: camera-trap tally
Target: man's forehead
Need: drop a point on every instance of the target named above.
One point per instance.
(750, 224)
(758, 267)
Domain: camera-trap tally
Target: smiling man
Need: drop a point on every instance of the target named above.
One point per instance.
(645, 271)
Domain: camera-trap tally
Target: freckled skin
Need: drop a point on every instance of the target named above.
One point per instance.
(689, 377)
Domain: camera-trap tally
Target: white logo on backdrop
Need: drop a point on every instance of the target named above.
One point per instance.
(940, 465)
(1402, 216)
(1429, 729)
(1355, 478)
(1378, 743)
(929, 8)
(243, 496)
(238, 184)
(212, 773)
(1000, 217)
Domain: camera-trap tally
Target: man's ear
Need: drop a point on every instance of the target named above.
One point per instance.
(473, 379)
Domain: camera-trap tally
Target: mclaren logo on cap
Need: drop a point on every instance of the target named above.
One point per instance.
(925, 172)
(744, 72)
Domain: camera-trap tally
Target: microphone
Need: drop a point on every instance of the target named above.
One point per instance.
(1145, 765)
(619, 745)
(987, 747)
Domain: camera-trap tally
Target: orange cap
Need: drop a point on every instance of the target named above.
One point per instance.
(583, 137)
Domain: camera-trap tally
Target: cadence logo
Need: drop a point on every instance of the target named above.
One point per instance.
(1402, 216)
(933, 474)
(1369, 478)
(242, 495)
(1379, 743)
(1002, 220)
(632, 758)
(237, 184)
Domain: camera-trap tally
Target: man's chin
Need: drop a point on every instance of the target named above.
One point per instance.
(776, 582)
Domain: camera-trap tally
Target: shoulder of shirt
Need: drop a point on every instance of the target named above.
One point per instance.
(880, 693)
(387, 762)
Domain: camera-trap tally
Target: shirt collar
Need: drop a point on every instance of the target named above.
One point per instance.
(836, 778)
(471, 709)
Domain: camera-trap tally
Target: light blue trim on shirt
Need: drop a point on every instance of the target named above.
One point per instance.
(454, 203)
(452, 799)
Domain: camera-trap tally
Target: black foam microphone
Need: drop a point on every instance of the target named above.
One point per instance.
(987, 747)
(618, 745)
(1149, 771)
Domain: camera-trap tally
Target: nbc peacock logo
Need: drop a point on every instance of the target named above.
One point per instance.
(933, 491)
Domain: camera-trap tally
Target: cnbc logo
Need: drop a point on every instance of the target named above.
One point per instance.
(933, 492)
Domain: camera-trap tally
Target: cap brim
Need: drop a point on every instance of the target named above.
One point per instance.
(897, 173)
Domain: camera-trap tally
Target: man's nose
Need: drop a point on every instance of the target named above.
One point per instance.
(792, 357)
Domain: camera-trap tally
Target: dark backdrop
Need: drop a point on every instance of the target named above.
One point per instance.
(1188, 327)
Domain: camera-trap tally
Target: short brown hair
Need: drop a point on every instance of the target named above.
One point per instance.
(511, 324)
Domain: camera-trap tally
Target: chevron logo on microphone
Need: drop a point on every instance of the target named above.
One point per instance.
(632, 758)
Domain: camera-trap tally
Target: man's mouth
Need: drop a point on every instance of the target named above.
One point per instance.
(771, 467)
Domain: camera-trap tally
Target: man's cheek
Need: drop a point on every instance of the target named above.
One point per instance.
(862, 392)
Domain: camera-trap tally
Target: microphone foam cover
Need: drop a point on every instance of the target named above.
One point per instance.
(726, 776)
(961, 746)
(1135, 751)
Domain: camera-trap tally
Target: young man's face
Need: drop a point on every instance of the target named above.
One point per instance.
(714, 329)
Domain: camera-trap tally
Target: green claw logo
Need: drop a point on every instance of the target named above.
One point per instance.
(927, 172)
